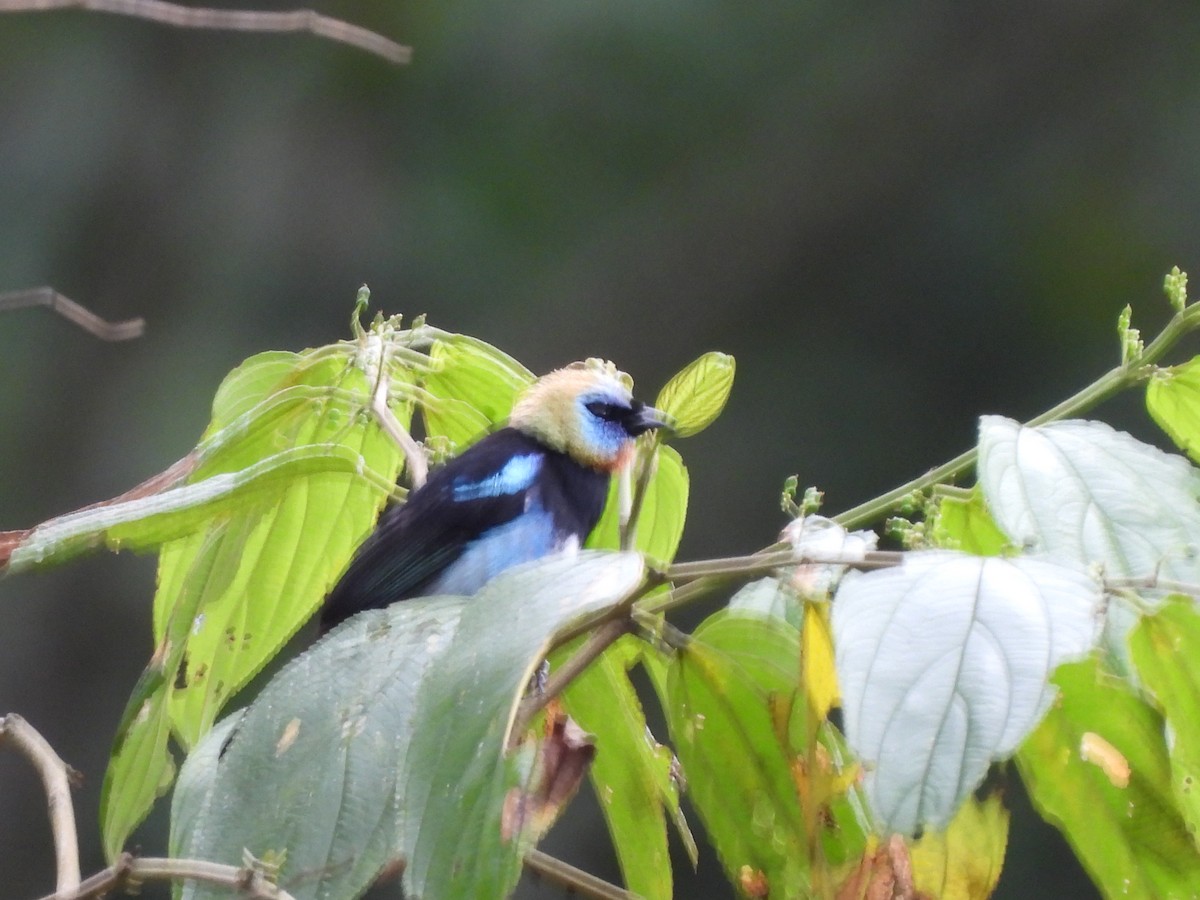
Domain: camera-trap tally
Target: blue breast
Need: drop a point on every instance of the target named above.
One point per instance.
(528, 537)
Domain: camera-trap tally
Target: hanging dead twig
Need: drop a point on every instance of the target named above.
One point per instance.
(73, 312)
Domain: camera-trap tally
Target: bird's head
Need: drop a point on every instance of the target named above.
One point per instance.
(586, 412)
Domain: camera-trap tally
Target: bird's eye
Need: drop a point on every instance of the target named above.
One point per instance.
(609, 412)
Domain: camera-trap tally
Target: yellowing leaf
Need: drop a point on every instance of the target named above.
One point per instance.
(816, 651)
(964, 861)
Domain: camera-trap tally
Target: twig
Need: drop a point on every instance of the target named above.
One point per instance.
(598, 641)
(1110, 383)
(649, 462)
(68, 308)
(230, 20)
(418, 465)
(767, 561)
(1149, 582)
(56, 777)
(248, 881)
(572, 879)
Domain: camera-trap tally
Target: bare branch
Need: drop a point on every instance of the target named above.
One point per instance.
(230, 20)
(56, 777)
(246, 881)
(67, 308)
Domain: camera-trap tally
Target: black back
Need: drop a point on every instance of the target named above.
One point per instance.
(413, 543)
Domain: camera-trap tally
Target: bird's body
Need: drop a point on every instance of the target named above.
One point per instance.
(533, 488)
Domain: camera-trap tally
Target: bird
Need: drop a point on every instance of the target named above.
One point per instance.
(535, 487)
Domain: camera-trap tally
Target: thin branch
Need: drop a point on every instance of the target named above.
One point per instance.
(56, 778)
(247, 881)
(1107, 385)
(598, 641)
(418, 464)
(572, 879)
(68, 308)
(230, 20)
(1153, 582)
(767, 561)
(629, 523)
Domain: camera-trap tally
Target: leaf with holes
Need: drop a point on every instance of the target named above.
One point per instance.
(1097, 769)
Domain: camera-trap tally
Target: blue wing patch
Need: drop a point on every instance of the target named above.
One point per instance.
(515, 476)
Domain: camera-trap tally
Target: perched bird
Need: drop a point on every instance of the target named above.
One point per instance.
(533, 488)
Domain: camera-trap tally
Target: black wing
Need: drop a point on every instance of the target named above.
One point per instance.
(414, 542)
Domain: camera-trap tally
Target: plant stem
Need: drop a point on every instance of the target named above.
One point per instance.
(1112, 382)
(597, 642)
(56, 778)
(244, 882)
(572, 879)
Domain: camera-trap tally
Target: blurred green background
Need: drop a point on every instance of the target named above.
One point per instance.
(897, 216)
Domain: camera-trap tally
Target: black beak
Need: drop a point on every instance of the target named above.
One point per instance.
(642, 418)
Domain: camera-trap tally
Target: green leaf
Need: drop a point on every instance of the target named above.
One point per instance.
(1173, 399)
(297, 542)
(722, 693)
(466, 711)
(1166, 648)
(695, 396)
(964, 523)
(148, 522)
(472, 388)
(246, 386)
(310, 775)
(1115, 807)
(141, 766)
(277, 503)
(628, 771)
(387, 739)
(664, 511)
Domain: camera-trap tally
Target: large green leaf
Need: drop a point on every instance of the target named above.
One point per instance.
(1097, 768)
(301, 538)
(1166, 651)
(631, 772)
(388, 740)
(278, 500)
(722, 696)
(141, 766)
(148, 522)
(471, 389)
(466, 713)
